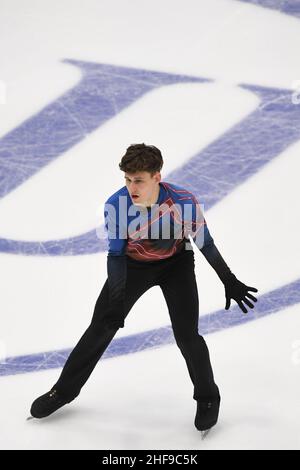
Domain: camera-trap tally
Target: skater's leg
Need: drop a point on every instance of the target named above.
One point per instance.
(87, 351)
(91, 346)
(179, 288)
(96, 338)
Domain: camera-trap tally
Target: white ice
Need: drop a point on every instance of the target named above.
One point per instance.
(144, 400)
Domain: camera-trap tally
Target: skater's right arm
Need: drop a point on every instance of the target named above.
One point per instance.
(116, 261)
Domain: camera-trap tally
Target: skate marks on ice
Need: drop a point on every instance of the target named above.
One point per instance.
(204, 434)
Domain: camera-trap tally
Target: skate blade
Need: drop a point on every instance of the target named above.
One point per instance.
(29, 418)
(204, 433)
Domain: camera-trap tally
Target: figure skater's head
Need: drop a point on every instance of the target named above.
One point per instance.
(141, 165)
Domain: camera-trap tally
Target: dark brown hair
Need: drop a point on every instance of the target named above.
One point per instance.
(141, 157)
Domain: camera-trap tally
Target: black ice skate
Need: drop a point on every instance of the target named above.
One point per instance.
(207, 415)
(46, 404)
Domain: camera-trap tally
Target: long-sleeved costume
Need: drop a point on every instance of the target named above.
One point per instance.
(154, 233)
(137, 236)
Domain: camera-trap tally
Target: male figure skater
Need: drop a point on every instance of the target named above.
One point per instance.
(149, 223)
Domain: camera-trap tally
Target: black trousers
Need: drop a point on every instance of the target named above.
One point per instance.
(176, 277)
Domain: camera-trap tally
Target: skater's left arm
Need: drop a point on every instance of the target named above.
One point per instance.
(234, 289)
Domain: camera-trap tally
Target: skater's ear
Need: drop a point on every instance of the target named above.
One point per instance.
(157, 176)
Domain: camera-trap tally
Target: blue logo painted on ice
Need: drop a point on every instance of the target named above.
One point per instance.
(267, 131)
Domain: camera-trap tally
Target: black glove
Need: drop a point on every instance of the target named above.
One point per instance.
(117, 274)
(235, 289)
(114, 317)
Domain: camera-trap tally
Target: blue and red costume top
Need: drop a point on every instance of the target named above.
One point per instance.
(150, 234)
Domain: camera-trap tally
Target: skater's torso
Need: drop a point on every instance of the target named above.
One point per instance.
(156, 232)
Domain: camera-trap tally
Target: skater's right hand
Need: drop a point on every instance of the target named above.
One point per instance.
(114, 318)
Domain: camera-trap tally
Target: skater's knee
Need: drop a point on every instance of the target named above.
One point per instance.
(187, 339)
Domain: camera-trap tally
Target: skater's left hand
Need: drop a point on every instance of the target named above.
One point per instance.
(236, 290)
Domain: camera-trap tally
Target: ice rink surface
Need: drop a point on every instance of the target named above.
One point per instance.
(215, 84)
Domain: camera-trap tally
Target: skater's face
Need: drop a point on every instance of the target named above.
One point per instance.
(142, 187)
